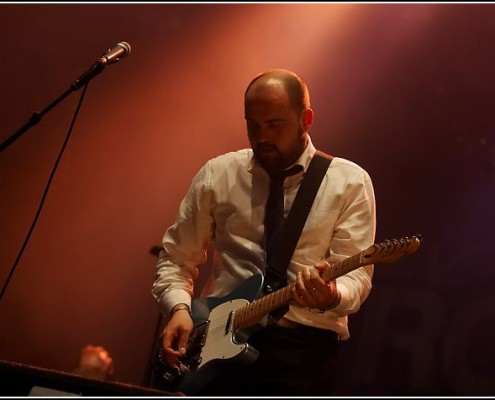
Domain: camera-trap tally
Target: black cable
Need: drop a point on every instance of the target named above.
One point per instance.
(45, 193)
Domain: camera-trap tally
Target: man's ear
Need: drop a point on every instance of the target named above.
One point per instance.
(306, 119)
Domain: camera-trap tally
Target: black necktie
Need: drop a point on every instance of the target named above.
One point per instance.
(274, 222)
(274, 212)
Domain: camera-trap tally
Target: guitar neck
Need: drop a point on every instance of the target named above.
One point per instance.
(387, 251)
(252, 313)
(343, 267)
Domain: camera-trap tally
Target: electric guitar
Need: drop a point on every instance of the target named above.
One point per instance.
(222, 324)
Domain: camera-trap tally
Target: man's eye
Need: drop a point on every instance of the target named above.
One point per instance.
(275, 125)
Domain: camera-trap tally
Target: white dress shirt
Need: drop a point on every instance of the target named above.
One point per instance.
(225, 206)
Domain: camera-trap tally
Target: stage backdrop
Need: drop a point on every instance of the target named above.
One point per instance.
(405, 90)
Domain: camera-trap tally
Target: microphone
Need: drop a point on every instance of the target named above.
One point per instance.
(116, 53)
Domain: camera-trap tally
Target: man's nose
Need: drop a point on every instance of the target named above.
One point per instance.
(264, 135)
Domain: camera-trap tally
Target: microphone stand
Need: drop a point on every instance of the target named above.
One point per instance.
(83, 80)
(95, 69)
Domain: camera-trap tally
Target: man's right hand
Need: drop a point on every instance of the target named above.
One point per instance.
(176, 334)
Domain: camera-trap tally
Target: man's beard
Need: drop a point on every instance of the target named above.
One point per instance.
(275, 161)
(271, 165)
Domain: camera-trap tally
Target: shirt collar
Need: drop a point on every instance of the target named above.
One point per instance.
(307, 155)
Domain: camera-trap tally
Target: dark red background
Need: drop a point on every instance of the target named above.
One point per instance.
(405, 90)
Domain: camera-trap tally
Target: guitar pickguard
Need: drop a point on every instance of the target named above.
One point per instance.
(220, 342)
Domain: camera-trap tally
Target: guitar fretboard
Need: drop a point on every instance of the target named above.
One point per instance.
(387, 251)
(252, 313)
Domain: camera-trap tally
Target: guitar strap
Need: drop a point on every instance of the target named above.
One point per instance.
(276, 272)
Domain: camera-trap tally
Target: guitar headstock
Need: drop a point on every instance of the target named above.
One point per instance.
(391, 250)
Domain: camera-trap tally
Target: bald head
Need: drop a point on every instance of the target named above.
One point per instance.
(278, 118)
(290, 82)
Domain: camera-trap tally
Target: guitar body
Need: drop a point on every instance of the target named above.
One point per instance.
(214, 344)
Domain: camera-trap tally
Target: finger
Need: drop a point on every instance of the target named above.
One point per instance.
(304, 288)
(169, 337)
(296, 290)
(307, 299)
(183, 340)
(304, 283)
(312, 282)
(316, 278)
(171, 357)
(319, 290)
(308, 279)
(322, 266)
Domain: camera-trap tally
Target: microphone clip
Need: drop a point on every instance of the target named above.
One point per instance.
(95, 69)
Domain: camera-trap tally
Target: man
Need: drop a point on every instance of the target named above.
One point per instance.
(225, 207)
